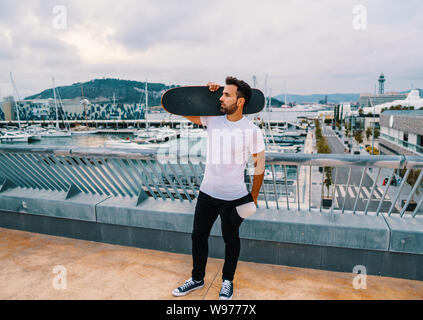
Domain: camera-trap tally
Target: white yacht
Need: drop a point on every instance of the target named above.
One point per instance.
(35, 131)
(146, 133)
(117, 143)
(168, 133)
(83, 130)
(187, 130)
(193, 133)
(292, 134)
(16, 136)
(283, 149)
(54, 133)
(308, 107)
(155, 134)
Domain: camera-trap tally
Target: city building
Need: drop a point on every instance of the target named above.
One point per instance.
(9, 108)
(413, 99)
(326, 114)
(401, 132)
(71, 109)
(346, 109)
(367, 100)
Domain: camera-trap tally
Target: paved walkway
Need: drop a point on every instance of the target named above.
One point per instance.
(35, 266)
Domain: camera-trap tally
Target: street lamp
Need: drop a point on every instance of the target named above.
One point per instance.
(374, 124)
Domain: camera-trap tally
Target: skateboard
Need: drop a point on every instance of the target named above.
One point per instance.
(200, 101)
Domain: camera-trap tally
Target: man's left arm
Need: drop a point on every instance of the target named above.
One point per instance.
(259, 162)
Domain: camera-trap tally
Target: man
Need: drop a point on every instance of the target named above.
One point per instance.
(223, 191)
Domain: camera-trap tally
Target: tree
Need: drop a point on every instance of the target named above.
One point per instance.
(358, 136)
(322, 147)
(318, 130)
(377, 133)
(360, 112)
(328, 178)
(412, 179)
(347, 128)
(318, 133)
(369, 132)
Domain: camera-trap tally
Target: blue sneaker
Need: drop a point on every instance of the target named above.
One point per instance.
(227, 290)
(188, 286)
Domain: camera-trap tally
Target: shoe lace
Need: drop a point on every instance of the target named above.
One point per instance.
(187, 284)
(226, 288)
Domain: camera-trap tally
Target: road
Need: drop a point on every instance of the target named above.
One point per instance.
(350, 194)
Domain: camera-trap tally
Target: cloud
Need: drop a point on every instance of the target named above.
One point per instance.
(311, 44)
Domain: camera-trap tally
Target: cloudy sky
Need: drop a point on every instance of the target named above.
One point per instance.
(317, 46)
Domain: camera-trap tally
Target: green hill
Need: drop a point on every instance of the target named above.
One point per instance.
(101, 90)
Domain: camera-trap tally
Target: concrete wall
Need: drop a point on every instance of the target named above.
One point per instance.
(387, 246)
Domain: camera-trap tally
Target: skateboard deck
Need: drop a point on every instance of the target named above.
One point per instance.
(200, 101)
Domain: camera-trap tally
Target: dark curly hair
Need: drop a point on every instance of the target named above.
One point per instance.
(243, 91)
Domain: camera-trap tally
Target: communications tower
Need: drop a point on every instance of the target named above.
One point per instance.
(381, 83)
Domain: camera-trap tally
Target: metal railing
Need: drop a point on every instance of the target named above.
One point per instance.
(405, 144)
(328, 175)
(293, 182)
(103, 171)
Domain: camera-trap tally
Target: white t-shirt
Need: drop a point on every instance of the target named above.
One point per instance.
(229, 145)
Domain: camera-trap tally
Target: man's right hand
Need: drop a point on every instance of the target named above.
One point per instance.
(213, 86)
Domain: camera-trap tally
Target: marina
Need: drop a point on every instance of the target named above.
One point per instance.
(180, 141)
(283, 133)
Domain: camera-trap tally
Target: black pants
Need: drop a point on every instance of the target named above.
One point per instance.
(206, 211)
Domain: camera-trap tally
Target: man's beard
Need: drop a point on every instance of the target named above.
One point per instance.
(229, 110)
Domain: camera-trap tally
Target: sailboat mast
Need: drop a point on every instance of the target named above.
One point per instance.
(17, 95)
(285, 91)
(146, 105)
(84, 103)
(55, 104)
(268, 115)
(64, 114)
